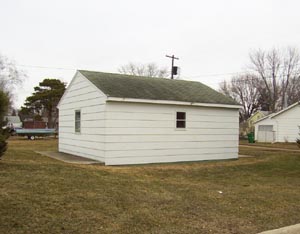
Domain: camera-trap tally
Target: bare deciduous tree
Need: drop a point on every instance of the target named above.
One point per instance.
(290, 90)
(293, 90)
(149, 70)
(10, 76)
(243, 89)
(275, 70)
(272, 84)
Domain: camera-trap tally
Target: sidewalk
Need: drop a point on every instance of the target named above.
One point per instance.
(68, 157)
(294, 229)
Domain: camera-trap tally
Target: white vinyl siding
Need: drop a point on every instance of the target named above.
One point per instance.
(82, 95)
(288, 123)
(145, 133)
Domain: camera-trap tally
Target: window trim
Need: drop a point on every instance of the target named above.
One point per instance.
(77, 131)
(185, 121)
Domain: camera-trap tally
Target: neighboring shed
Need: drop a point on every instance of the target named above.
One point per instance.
(282, 126)
(121, 119)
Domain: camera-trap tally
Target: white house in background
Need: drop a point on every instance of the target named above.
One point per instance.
(282, 126)
(121, 119)
(13, 121)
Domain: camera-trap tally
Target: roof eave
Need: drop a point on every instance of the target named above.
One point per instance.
(263, 118)
(66, 90)
(286, 109)
(271, 116)
(166, 102)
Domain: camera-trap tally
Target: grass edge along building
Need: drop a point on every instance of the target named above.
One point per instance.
(121, 119)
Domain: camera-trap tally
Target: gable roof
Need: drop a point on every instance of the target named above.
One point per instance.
(271, 116)
(263, 114)
(12, 119)
(137, 87)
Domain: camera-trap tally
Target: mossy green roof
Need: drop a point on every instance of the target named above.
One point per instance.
(127, 86)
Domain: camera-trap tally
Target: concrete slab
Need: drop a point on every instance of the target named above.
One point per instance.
(68, 158)
(294, 229)
(245, 156)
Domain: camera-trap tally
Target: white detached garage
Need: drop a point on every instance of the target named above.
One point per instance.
(283, 126)
(121, 119)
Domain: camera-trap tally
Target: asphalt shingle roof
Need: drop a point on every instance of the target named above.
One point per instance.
(127, 86)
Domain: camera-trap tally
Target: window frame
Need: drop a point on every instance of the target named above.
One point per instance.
(177, 120)
(76, 122)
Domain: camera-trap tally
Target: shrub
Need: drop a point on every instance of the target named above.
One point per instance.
(3, 145)
(298, 139)
(4, 134)
(298, 142)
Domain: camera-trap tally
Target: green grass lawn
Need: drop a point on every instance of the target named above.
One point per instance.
(42, 195)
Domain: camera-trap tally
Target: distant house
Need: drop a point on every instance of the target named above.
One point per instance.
(13, 121)
(121, 119)
(282, 126)
(255, 117)
(248, 126)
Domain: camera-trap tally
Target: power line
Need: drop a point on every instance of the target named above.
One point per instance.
(194, 76)
(239, 79)
(64, 68)
(231, 73)
(44, 67)
(218, 74)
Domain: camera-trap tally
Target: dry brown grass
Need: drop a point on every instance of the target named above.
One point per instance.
(42, 195)
(292, 146)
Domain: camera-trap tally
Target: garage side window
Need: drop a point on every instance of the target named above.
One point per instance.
(180, 119)
(77, 121)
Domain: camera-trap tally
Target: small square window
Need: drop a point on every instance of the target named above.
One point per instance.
(77, 121)
(180, 119)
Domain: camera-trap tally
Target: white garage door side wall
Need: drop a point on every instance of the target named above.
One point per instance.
(146, 133)
(288, 123)
(265, 122)
(82, 96)
(269, 136)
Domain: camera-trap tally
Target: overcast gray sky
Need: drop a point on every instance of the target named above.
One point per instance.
(209, 37)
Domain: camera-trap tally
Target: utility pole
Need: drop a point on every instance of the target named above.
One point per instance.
(173, 69)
